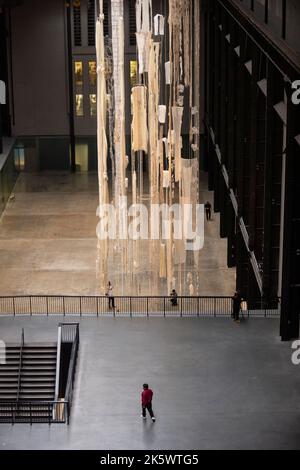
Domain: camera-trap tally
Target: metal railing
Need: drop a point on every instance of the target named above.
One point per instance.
(33, 412)
(71, 332)
(132, 306)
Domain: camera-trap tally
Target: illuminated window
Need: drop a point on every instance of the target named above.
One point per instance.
(92, 73)
(78, 73)
(93, 105)
(133, 72)
(79, 105)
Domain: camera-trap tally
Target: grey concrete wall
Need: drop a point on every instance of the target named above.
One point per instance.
(39, 68)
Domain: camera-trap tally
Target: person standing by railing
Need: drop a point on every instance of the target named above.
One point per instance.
(174, 298)
(236, 306)
(110, 295)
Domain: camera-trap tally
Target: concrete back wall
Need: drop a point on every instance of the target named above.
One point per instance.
(39, 68)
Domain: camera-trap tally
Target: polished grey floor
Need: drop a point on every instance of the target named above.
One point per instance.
(48, 245)
(217, 385)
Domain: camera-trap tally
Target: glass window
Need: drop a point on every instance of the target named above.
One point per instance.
(78, 73)
(93, 105)
(79, 105)
(82, 157)
(133, 72)
(19, 158)
(92, 73)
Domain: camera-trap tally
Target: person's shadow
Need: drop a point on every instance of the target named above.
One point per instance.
(148, 431)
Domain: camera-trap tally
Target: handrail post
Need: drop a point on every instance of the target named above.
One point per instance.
(164, 307)
(14, 306)
(68, 413)
(57, 378)
(147, 306)
(64, 308)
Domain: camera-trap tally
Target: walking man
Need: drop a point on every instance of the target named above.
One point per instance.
(147, 395)
(208, 210)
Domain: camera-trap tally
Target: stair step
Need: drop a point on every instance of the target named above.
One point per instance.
(37, 387)
(42, 373)
(10, 362)
(10, 397)
(37, 379)
(39, 356)
(41, 398)
(8, 380)
(8, 373)
(8, 386)
(35, 367)
(38, 362)
(4, 373)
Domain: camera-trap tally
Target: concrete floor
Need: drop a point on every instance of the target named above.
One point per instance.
(217, 385)
(48, 244)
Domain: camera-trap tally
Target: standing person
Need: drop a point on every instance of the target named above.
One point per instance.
(174, 298)
(147, 395)
(109, 293)
(208, 210)
(237, 299)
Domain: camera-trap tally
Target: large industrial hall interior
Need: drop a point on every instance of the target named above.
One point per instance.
(149, 224)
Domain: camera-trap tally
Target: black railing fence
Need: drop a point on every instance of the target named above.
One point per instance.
(134, 306)
(34, 412)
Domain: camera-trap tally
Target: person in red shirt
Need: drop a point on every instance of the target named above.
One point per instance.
(147, 395)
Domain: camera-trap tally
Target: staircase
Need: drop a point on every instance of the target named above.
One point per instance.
(32, 388)
(9, 374)
(37, 382)
(27, 382)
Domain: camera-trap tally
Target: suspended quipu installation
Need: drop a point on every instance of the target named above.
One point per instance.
(156, 126)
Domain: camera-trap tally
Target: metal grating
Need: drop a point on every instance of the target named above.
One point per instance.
(106, 17)
(132, 23)
(91, 23)
(77, 24)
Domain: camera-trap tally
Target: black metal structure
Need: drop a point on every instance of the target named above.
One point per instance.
(71, 89)
(253, 155)
(28, 379)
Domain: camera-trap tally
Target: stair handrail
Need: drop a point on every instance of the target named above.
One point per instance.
(57, 376)
(20, 366)
(71, 373)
